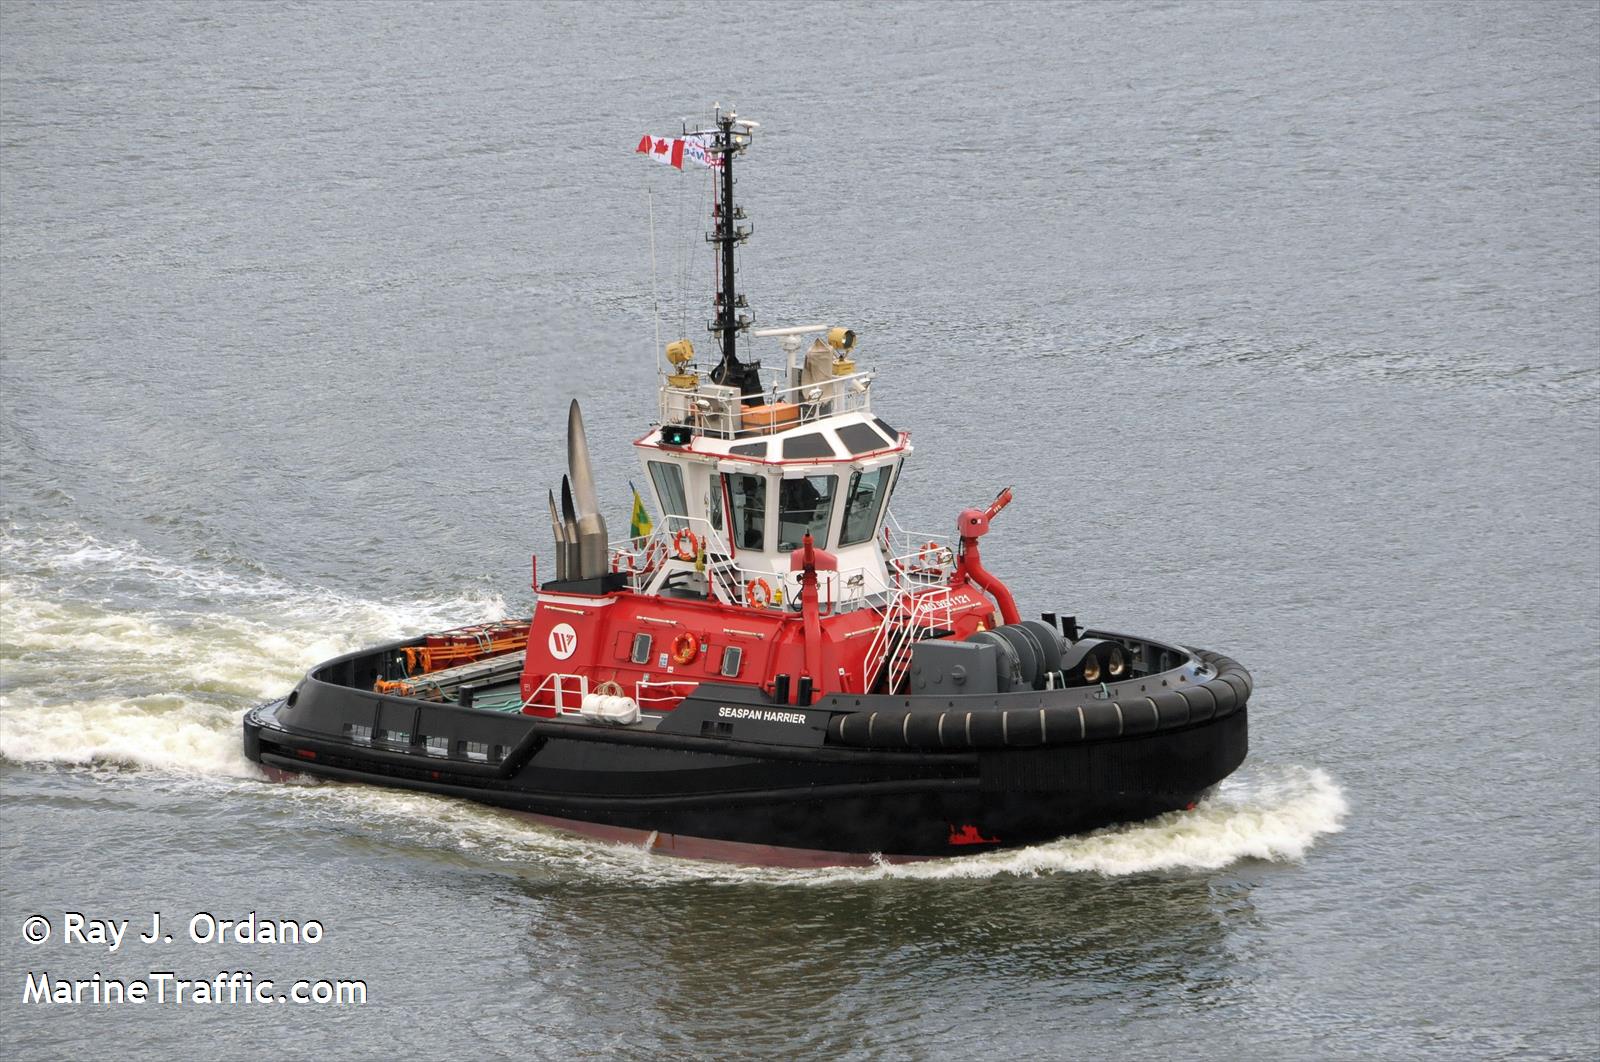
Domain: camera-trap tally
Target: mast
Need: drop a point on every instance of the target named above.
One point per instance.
(727, 235)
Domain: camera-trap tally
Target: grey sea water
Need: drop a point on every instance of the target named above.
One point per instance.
(1282, 319)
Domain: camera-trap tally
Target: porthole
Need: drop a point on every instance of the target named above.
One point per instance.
(641, 649)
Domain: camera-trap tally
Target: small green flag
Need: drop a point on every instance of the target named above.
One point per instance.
(641, 526)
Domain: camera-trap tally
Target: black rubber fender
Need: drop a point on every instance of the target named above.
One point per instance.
(1171, 711)
(1218, 695)
(1101, 721)
(1170, 704)
(1202, 703)
(1022, 727)
(1062, 725)
(922, 730)
(987, 730)
(1138, 717)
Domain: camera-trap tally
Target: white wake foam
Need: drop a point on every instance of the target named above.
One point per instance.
(1272, 814)
(112, 655)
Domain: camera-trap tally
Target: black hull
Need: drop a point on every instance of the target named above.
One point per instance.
(925, 816)
(778, 792)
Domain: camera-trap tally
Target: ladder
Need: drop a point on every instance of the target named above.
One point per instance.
(910, 616)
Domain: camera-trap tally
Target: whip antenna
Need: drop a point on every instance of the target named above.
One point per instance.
(655, 287)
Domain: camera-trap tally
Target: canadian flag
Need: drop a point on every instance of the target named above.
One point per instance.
(662, 150)
(672, 151)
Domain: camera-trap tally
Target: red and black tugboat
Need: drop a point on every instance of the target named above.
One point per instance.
(775, 672)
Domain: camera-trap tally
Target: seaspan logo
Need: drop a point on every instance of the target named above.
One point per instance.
(762, 715)
(563, 641)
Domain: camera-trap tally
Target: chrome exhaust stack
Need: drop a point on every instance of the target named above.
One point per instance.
(569, 531)
(560, 534)
(589, 532)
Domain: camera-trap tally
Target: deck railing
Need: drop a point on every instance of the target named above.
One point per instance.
(719, 412)
(916, 558)
(564, 692)
(649, 563)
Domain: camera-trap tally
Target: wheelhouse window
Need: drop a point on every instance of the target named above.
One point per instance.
(668, 480)
(805, 505)
(862, 503)
(747, 502)
(714, 501)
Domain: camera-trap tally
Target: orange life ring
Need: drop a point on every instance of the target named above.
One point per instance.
(928, 555)
(758, 593)
(684, 647)
(693, 549)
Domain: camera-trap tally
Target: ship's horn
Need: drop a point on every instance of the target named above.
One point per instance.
(569, 530)
(560, 534)
(591, 537)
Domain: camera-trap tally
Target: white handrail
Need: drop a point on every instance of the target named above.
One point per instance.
(911, 613)
(640, 687)
(837, 394)
(651, 563)
(556, 683)
(915, 559)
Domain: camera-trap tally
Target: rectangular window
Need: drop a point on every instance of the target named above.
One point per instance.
(668, 480)
(747, 498)
(805, 505)
(641, 649)
(862, 502)
(732, 657)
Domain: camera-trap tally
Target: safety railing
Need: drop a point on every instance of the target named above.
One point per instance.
(911, 615)
(560, 690)
(915, 558)
(564, 693)
(663, 694)
(720, 412)
(679, 544)
(691, 544)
